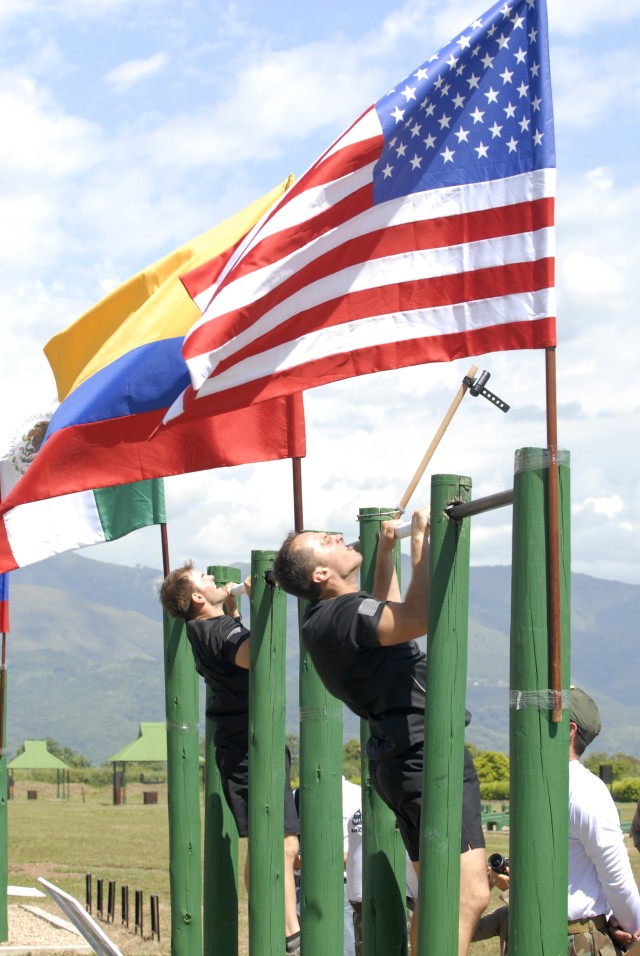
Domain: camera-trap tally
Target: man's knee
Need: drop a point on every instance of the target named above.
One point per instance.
(291, 847)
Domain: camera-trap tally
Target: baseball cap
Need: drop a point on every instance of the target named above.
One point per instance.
(584, 712)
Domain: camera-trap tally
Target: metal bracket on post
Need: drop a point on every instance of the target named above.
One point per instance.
(476, 387)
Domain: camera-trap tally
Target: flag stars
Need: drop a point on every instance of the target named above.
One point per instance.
(448, 154)
(416, 162)
(430, 141)
(535, 104)
(398, 114)
(503, 42)
(487, 61)
(512, 145)
(481, 150)
(438, 83)
(430, 109)
(462, 134)
(421, 75)
(477, 115)
(464, 42)
(401, 150)
(523, 89)
(476, 24)
(533, 35)
(386, 172)
(415, 129)
(473, 81)
(517, 22)
(495, 130)
(510, 111)
(506, 10)
(534, 68)
(520, 56)
(445, 89)
(537, 138)
(444, 121)
(524, 124)
(506, 76)
(491, 30)
(409, 93)
(492, 95)
(453, 61)
(458, 101)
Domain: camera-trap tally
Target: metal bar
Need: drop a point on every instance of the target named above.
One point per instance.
(87, 883)
(99, 907)
(465, 509)
(139, 914)
(155, 916)
(124, 902)
(111, 901)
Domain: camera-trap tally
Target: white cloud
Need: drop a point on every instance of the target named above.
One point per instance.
(610, 507)
(126, 75)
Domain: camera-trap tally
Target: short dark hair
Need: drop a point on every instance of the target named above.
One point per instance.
(176, 591)
(293, 568)
(579, 743)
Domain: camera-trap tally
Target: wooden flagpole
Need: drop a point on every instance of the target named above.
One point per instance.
(428, 455)
(553, 527)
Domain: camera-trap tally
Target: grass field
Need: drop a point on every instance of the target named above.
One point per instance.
(63, 840)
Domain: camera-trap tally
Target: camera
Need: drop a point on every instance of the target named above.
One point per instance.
(499, 863)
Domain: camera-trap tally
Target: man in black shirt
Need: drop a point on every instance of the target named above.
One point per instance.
(220, 645)
(362, 646)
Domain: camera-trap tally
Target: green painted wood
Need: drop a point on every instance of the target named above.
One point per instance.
(322, 874)
(384, 922)
(266, 761)
(185, 878)
(447, 644)
(539, 748)
(220, 894)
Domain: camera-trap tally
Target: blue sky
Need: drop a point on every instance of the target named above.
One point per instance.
(129, 126)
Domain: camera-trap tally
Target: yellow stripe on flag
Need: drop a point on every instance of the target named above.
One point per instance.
(151, 306)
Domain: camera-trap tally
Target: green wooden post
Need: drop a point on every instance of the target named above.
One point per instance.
(539, 748)
(322, 880)
(220, 910)
(266, 761)
(384, 921)
(447, 642)
(4, 828)
(183, 730)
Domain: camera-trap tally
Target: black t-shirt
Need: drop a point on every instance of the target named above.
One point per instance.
(384, 685)
(215, 642)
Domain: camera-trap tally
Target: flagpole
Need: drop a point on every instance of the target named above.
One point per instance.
(555, 629)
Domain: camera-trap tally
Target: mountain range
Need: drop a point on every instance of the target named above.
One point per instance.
(85, 656)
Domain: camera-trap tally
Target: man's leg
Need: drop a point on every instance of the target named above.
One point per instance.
(474, 895)
(474, 899)
(291, 923)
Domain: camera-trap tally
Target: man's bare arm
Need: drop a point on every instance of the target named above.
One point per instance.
(404, 621)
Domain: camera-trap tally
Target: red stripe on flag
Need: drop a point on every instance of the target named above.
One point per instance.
(363, 361)
(419, 294)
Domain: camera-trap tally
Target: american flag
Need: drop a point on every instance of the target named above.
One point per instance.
(423, 234)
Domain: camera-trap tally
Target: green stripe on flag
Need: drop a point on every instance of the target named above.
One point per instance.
(125, 508)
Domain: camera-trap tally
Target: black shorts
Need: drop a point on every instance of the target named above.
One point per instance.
(398, 780)
(232, 759)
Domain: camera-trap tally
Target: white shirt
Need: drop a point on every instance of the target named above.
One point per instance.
(601, 880)
(354, 862)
